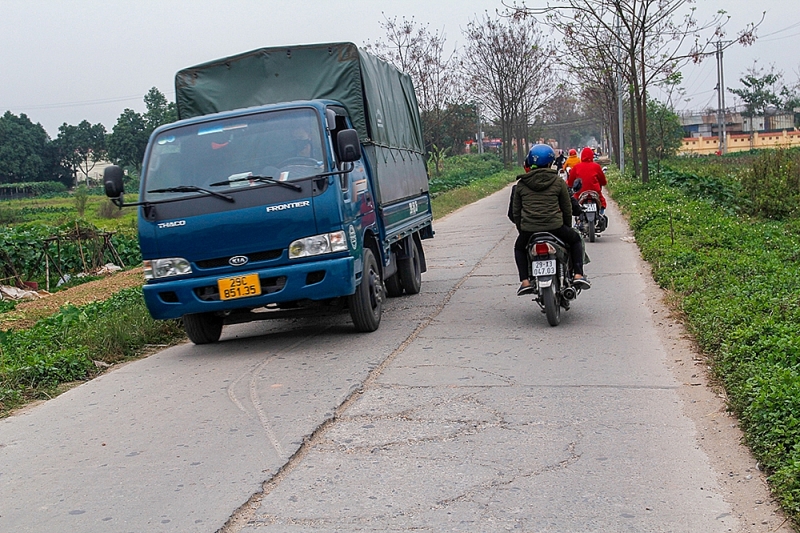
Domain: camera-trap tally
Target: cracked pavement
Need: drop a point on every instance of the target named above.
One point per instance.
(490, 420)
(464, 412)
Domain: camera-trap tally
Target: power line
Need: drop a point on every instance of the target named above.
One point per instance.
(77, 104)
(796, 24)
(778, 38)
(74, 104)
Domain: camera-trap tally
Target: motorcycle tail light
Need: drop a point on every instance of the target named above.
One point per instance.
(543, 248)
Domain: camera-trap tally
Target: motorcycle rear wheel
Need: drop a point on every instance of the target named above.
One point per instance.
(551, 308)
(590, 226)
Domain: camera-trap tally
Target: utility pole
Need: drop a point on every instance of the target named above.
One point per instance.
(480, 128)
(620, 116)
(723, 141)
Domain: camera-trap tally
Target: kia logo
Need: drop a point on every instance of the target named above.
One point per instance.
(238, 260)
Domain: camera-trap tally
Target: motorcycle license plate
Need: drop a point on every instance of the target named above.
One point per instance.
(544, 268)
(239, 287)
(589, 207)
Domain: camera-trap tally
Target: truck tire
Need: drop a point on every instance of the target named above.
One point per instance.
(410, 270)
(393, 286)
(202, 328)
(366, 305)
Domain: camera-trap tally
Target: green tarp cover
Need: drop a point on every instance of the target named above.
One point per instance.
(379, 99)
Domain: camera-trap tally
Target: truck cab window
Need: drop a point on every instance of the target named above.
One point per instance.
(286, 145)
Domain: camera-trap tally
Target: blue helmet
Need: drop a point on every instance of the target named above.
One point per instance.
(540, 156)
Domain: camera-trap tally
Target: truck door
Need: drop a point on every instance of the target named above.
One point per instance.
(358, 203)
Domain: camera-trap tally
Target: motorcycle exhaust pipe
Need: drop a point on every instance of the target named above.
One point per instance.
(569, 293)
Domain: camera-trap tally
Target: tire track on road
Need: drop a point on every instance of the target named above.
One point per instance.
(241, 517)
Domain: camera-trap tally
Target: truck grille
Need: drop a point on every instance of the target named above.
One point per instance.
(254, 257)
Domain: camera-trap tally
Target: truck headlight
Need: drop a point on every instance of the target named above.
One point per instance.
(318, 244)
(164, 268)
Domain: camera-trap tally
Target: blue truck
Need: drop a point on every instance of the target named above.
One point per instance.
(293, 183)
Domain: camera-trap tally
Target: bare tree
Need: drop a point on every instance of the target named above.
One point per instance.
(654, 41)
(421, 54)
(507, 63)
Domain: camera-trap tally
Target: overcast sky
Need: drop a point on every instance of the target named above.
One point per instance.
(70, 60)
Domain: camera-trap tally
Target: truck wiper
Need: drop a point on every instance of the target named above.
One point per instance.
(192, 188)
(262, 179)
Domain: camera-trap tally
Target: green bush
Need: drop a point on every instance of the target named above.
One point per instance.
(81, 197)
(760, 183)
(34, 187)
(108, 210)
(773, 184)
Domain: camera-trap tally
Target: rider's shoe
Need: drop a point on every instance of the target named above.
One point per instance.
(581, 283)
(524, 289)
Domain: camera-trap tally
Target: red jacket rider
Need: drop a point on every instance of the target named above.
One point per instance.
(590, 173)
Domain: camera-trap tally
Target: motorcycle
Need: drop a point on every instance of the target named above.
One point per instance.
(551, 275)
(590, 222)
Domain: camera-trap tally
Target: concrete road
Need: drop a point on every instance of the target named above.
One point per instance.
(464, 412)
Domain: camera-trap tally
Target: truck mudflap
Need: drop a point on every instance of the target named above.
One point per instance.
(313, 280)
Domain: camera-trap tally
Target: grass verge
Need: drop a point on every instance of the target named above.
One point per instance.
(75, 344)
(737, 282)
(449, 201)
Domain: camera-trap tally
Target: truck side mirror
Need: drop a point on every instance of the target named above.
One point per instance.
(112, 180)
(349, 147)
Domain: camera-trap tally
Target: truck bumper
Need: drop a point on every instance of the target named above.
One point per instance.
(317, 280)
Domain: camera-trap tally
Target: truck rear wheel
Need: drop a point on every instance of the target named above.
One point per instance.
(366, 305)
(202, 328)
(393, 286)
(410, 270)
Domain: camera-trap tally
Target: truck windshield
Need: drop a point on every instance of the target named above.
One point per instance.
(284, 145)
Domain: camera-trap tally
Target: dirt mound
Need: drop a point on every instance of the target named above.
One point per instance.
(27, 313)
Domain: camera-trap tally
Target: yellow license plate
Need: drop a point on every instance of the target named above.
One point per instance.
(239, 287)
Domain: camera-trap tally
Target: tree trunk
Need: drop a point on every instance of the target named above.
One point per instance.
(634, 140)
(642, 105)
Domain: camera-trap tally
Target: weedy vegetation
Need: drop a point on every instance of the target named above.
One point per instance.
(723, 235)
(76, 344)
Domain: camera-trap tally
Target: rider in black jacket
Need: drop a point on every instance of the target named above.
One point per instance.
(541, 202)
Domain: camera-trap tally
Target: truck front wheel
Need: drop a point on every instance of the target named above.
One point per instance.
(366, 305)
(202, 328)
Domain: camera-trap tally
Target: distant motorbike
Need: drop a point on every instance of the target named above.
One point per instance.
(551, 274)
(590, 222)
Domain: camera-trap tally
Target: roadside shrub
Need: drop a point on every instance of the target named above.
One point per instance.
(108, 210)
(81, 197)
(773, 184)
